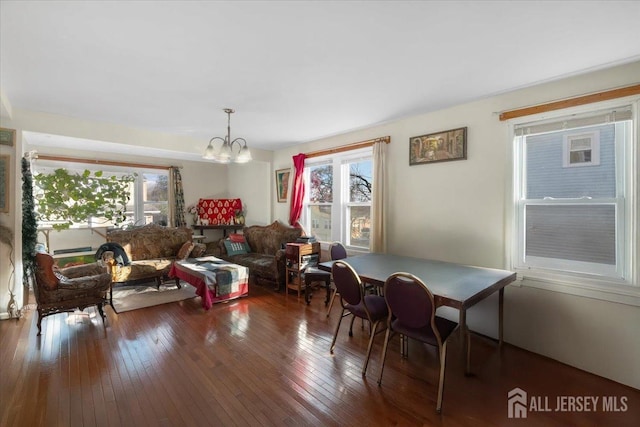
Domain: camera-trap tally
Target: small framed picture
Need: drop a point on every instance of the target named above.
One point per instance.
(438, 147)
(282, 184)
(7, 137)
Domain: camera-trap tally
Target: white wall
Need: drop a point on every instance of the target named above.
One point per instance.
(456, 211)
(247, 182)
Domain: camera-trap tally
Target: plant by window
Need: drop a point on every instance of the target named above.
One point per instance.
(29, 223)
(66, 198)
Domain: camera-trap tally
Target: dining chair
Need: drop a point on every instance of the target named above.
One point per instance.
(412, 314)
(356, 303)
(314, 274)
(337, 251)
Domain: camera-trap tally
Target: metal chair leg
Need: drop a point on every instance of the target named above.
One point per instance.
(373, 334)
(335, 335)
(443, 362)
(384, 353)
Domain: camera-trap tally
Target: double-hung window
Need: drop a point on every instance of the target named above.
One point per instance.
(337, 204)
(574, 197)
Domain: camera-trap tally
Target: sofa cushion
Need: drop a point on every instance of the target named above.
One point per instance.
(151, 241)
(142, 269)
(199, 249)
(185, 251)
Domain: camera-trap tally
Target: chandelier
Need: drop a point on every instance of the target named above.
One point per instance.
(225, 153)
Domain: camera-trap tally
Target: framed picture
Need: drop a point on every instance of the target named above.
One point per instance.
(438, 147)
(7, 137)
(4, 183)
(282, 184)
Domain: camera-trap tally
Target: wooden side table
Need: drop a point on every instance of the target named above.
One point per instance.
(298, 257)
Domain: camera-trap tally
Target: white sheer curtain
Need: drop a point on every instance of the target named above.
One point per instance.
(379, 199)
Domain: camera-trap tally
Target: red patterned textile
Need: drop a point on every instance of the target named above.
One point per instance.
(297, 195)
(218, 211)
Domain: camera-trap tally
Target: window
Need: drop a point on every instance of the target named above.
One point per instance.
(337, 203)
(150, 198)
(148, 194)
(581, 149)
(574, 199)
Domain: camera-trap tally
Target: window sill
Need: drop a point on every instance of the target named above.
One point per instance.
(611, 291)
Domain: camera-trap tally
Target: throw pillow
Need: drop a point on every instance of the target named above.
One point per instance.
(199, 249)
(185, 250)
(234, 248)
(236, 238)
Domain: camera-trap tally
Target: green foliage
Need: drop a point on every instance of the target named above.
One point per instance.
(69, 198)
(29, 222)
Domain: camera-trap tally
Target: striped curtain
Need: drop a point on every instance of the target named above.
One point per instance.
(176, 199)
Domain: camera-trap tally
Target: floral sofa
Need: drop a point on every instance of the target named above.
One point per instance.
(265, 254)
(151, 249)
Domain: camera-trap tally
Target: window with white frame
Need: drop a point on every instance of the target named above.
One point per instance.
(337, 204)
(575, 222)
(581, 149)
(148, 194)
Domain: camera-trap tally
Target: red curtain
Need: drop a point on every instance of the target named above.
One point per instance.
(297, 194)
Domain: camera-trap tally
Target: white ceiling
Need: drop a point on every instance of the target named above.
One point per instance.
(294, 71)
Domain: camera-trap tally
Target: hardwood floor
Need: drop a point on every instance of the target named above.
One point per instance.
(264, 360)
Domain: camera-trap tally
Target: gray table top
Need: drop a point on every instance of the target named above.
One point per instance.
(455, 285)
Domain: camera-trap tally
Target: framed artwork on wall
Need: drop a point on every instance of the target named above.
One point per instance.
(282, 184)
(438, 147)
(7, 137)
(4, 183)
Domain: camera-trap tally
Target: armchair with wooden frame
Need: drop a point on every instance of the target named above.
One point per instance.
(67, 289)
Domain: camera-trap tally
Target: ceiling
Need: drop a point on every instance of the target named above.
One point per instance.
(294, 71)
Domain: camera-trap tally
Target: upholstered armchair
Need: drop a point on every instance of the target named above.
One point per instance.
(66, 289)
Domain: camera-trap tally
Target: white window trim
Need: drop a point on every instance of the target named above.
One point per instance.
(573, 283)
(339, 167)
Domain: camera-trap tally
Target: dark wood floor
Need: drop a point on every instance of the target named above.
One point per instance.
(264, 360)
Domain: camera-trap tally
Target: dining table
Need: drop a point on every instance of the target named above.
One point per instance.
(453, 285)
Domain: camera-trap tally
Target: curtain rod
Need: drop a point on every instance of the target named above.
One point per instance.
(572, 102)
(348, 147)
(101, 162)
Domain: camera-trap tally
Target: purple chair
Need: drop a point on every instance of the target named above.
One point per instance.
(412, 313)
(356, 303)
(314, 274)
(336, 251)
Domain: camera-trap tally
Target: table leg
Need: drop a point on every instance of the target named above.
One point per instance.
(500, 316)
(307, 290)
(466, 341)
